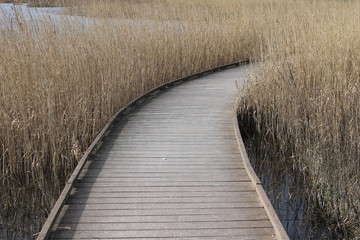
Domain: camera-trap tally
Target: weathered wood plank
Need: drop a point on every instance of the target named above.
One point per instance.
(167, 225)
(264, 237)
(162, 218)
(179, 160)
(248, 197)
(250, 212)
(161, 170)
(113, 189)
(163, 154)
(168, 148)
(169, 169)
(172, 175)
(157, 184)
(162, 163)
(136, 194)
(240, 178)
(128, 206)
(166, 233)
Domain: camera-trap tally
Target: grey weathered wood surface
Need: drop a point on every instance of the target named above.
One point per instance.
(170, 168)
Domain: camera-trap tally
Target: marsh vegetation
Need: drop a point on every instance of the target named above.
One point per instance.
(303, 105)
(62, 77)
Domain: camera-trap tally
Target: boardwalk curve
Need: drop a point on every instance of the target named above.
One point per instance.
(170, 168)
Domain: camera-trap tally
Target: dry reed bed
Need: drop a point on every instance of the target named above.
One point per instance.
(304, 102)
(61, 79)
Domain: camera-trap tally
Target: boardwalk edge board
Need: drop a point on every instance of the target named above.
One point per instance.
(50, 221)
(274, 219)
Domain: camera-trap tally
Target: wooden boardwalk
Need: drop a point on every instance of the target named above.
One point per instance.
(170, 169)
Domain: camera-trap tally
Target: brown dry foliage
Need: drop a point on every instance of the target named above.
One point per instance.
(62, 78)
(305, 102)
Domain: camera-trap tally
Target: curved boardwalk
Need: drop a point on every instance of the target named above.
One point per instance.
(170, 169)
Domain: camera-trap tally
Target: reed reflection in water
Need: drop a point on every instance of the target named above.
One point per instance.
(284, 187)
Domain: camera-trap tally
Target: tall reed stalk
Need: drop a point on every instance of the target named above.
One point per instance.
(62, 77)
(304, 103)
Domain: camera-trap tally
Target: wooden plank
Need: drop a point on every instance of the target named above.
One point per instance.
(248, 197)
(185, 175)
(167, 212)
(264, 237)
(219, 122)
(167, 225)
(239, 178)
(162, 130)
(162, 163)
(169, 148)
(128, 206)
(183, 171)
(183, 159)
(136, 194)
(155, 141)
(156, 154)
(166, 233)
(164, 218)
(115, 189)
(146, 183)
(163, 167)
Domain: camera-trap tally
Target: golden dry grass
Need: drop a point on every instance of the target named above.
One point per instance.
(305, 98)
(61, 79)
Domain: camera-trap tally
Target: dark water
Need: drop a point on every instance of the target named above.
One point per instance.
(287, 193)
